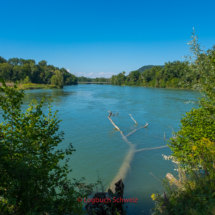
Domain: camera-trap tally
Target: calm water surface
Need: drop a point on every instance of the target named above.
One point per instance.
(101, 149)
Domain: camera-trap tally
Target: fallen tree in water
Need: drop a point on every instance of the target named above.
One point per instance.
(128, 158)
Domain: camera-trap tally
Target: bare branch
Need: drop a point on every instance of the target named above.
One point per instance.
(156, 177)
(133, 119)
(113, 124)
(136, 130)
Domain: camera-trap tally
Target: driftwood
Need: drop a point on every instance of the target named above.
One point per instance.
(130, 154)
(137, 130)
(114, 124)
(173, 180)
(133, 119)
(104, 203)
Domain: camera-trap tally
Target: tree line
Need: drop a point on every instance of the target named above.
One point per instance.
(27, 71)
(85, 79)
(172, 74)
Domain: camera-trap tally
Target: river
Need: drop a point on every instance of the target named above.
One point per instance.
(101, 150)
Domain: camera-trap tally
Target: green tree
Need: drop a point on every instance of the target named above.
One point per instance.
(6, 71)
(57, 79)
(42, 63)
(113, 82)
(2, 60)
(14, 61)
(33, 177)
(27, 80)
(198, 125)
(134, 76)
(193, 146)
(120, 79)
(35, 73)
(48, 75)
(23, 61)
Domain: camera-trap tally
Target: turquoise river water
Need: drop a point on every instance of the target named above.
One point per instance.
(101, 149)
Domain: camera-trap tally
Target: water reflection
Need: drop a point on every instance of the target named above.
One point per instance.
(58, 96)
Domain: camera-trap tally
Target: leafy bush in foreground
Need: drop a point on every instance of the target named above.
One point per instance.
(32, 181)
(193, 146)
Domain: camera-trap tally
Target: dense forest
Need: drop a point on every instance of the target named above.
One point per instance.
(27, 71)
(143, 68)
(169, 75)
(172, 74)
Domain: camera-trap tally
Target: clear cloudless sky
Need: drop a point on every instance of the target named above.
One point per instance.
(99, 38)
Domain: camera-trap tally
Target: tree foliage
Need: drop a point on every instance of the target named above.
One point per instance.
(168, 75)
(193, 147)
(57, 79)
(16, 69)
(2, 60)
(33, 172)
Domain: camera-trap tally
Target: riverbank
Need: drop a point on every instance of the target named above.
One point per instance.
(32, 86)
(36, 86)
(180, 88)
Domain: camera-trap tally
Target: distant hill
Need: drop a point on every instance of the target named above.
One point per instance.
(143, 68)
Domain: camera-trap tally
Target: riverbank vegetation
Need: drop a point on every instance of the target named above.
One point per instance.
(32, 86)
(177, 74)
(193, 147)
(27, 71)
(33, 174)
(170, 75)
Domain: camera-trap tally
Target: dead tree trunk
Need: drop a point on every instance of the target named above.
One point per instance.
(126, 163)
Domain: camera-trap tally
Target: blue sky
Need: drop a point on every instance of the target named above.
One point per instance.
(99, 38)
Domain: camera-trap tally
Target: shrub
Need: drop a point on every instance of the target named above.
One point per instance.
(33, 179)
(193, 146)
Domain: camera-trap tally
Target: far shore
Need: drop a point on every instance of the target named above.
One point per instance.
(32, 86)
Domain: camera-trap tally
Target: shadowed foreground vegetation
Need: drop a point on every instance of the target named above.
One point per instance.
(33, 174)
